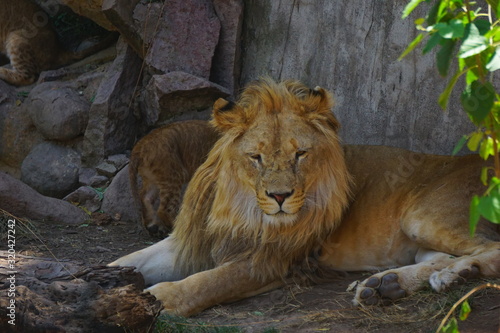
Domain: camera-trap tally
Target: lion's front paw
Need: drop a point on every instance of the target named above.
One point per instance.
(165, 292)
(379, 289)
(449, 277)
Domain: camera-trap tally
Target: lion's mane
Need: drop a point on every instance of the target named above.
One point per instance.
(220, 222)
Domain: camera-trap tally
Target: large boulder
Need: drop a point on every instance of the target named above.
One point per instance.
(18, 135)
(119, 200)
(178, 92)
(57, 111)
(186, 39)
(112, 126)
(22, 201)
(51, 169)
(226, 62)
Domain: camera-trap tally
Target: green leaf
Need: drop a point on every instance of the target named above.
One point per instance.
(410, 7)
(494, 62)
(444, 56)
(484, 175)
(473, 42)
(459, 145)
(451, 327)
(411, 46)
(474, 141)
(445, 95)
(451, 29)
(489, 206)
(464, 310)
(477, 100)
(432, 42)
(433, 13)
(474, 215)
(486, 149)
(483, 26)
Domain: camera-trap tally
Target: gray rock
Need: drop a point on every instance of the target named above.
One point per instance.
(120, 14)
(186, 39)
(226, 61)
(51, 169)
(21, 200)
(58, 112)
(112, 126)
(106, 169)
(86, 197)
(118, 198)
(85, 175)
(18, 135)
(118, 160)
(99, 181)
(178, 92)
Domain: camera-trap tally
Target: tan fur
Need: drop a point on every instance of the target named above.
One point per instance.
(29, 41)
(165, 160)
(359, 207)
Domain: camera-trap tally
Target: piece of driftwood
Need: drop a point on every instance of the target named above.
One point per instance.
(47, 295)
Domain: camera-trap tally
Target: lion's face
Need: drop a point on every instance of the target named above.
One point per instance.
(275, 157)
(278, 154)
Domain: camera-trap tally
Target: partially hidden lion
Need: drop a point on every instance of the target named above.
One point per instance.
(30, 42)
(278, 187)
(161, 164)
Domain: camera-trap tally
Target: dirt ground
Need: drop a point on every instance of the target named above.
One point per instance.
(325, 307)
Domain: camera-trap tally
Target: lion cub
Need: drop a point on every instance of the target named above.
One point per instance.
(30, 42)
(165, 160)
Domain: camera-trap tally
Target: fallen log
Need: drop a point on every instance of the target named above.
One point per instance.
(49, 295)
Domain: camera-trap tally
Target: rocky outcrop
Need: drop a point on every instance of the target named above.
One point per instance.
(69, 135)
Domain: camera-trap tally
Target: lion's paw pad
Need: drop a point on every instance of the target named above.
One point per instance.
(375, 290)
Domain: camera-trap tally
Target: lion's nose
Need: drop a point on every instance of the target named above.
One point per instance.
(279, 197)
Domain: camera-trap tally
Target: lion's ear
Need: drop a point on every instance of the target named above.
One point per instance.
(227, 115)
(319, 106)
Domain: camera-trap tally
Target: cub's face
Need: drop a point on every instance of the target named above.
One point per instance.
(278, 157)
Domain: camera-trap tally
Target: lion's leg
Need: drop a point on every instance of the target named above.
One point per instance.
(226, 283)
(23, 63)
(440, 269)
(156, 263)
(485, 263)
(397, 283)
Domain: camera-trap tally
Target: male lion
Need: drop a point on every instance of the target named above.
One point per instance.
(278, 186)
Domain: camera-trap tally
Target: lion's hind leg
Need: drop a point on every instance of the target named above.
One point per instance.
(24, 69)
(485, 263)
(397, 283)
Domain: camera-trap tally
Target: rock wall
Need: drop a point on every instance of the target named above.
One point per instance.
(351, 48)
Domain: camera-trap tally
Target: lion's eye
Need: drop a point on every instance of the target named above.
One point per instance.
(300, 154)
(256, 158)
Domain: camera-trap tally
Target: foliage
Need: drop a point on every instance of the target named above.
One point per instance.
(461, 29)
